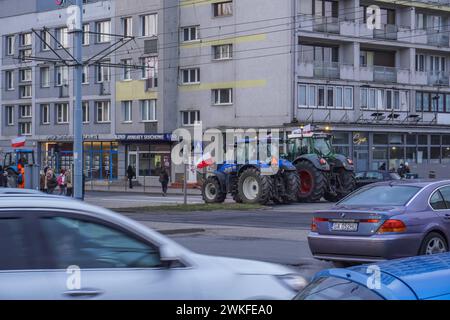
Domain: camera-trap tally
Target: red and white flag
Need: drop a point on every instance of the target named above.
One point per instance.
(206, 160)
(18, 142)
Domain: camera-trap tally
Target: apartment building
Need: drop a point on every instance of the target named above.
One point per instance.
(384, 91)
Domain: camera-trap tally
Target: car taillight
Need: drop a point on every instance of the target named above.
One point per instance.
(323, 161)
(315, 221)
(392, 225)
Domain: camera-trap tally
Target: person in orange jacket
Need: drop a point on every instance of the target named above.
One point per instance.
(21, 176)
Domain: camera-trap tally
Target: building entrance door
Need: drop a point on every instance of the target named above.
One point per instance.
(362, 159)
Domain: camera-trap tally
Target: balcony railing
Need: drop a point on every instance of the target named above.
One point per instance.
(384, 74)
(439, 39)
(387, 32)
(324, 69)
(326, 24)
(438, 78)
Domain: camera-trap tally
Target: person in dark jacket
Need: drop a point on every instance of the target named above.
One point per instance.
(3, 178)
(130, 175)
(164, 180)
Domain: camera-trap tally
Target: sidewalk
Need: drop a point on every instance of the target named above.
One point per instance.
(139, 189)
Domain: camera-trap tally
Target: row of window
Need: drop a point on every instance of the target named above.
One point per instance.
(147, 108)
(321, 96)
(383, 99)
(432, 102)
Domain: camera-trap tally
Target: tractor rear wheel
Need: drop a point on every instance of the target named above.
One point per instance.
(346, 185)
(254, 188)
(292, 185)
(211, 191)
(312, 182)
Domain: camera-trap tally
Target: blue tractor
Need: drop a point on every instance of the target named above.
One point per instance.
(11, 161)
(256, 181)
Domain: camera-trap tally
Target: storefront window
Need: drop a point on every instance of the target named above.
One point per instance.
(411, 139)
(380, 138)
(396, 138)
(446, 140)
(379, 155)
(411, 155)
(340, 138)
(436, 140)
(396, 157)
(423, 139)
(422, 155)
(144, 164)
(445, 154)
(435, 155)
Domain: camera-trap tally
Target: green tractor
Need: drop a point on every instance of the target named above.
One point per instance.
(323, 173)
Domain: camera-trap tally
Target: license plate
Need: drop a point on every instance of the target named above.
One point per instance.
(344, 226)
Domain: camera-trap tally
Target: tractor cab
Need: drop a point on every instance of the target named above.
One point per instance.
(13, 158)
(311, 143)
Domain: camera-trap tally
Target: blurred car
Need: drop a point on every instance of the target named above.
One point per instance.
(424, 278)
(19, 191)
(385, 220)
(57, 248)
(364, 178)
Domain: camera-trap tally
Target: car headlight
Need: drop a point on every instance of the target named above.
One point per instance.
(293, 281)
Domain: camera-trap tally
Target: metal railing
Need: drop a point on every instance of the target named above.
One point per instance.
(323, 69)
(438, 78)
(439, 39)
(384, 74)
(326, 24)
(387, 32)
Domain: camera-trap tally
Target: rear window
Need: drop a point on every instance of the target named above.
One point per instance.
(381, 195)
(336, 289)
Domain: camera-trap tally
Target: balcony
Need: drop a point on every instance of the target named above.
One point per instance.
(328, 70)
(387, 32)
(439, 39)
(326, 24)
(438, 78)
(384, 74)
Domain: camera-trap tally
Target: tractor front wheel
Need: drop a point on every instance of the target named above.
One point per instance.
(211, 191)
(312, 182)
(254, 188)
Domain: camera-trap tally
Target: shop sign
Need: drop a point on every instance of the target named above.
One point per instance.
(69, 137)
(146, 137)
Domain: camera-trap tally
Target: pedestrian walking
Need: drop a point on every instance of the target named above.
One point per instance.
(50, 180)
(61, 181)
(3, 178)
(69, 184)
(164, 180)
(130, 175)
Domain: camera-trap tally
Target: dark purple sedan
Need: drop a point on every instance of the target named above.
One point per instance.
(385, 220)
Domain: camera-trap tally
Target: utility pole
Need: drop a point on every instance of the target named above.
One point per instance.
(77, 110)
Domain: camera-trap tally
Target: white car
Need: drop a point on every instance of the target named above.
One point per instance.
(57, 248)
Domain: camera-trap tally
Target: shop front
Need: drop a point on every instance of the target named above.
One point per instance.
(100, 157)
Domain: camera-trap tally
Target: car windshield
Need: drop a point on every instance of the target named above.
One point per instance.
(322, 146)
(331, 288)
(381, 195)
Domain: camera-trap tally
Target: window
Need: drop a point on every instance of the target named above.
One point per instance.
(85, 110)
(127, 115)
(62, 113)
(445, 192)
(86, 244)
(312, 96)
(126, 69)
(148, 110)
(321, 96)
(389, 98)
(45, 114)
(103, 73)
(363, 98)
(86, 35)
(103, 29)
(190, 76)
(25, 39)
(62, 75)
(25, 111)
(103, 111)
(15, 254)
(25, 75)
(9, 45)
(127, 26)
(9, 110)
(421, 21)
(150, 71)
(437, 201)
(45, 77)
(190, 118)
(85, 75)
(25, 128)
(339, 97)
(224, 51)
(420, 62)
(190, 33)
(348, 98)
(330, 96)
(46, 40)
(302, 95)
(222, 96)
(222, 9)
(149, 25)
(9, 79)
(25, 91)
(24, 54)
(62, 35)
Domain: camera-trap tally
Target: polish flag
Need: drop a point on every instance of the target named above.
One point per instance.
(18, 142)
(205, 161)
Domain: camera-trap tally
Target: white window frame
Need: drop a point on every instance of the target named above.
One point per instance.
(190, 81)
(26, 91)
(85, 75)
(306, 87)
(352, 98)
(63, 37)
(45, 116)
(189, 30)
(10, 40)
(103, 29)
(26, 39)
(127, 26)
(387, 102)
(324, 97)
(45, 77)
(103, 73)
(85, 111)
(339, 103)
(62, 76)
(46, 40)
(149, 25)
(224, 9)
(366, 104)
(190, 122)
(86, 34)
(9, 80)
(148, 110)
(25, 111)
(24, 54)
(26, 75)
(216, 96)
(332, 106)
(105, 106)
(127, 111)
(313, 96)
(9, 115)
(223, 52)
(126, 75)
(372, 103)
(62, 113)
(25, 128)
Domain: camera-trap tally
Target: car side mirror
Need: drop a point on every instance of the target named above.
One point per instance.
(169, 256)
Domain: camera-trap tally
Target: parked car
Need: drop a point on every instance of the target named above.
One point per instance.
(57, 248)
(364, 178)
(424, 278)
(385, 220)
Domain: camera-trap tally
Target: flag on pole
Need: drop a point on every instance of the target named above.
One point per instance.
(205, 160)
(18, 142)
